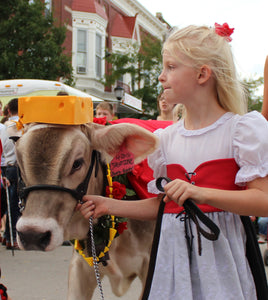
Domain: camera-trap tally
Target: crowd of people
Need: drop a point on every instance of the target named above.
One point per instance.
(215, 153)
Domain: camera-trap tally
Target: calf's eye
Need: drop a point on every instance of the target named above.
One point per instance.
(77, 165)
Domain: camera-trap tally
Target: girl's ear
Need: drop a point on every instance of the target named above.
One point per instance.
(204, 74)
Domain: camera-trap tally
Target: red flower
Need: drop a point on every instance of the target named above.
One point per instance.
(121, 227)
(101, 121)
(224, 30)
(119, 190)
(137, 171)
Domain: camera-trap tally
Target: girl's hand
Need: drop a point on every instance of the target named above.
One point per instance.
(93, 206)
(179, 190)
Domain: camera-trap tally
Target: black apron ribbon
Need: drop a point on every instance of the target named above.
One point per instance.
(193, 212)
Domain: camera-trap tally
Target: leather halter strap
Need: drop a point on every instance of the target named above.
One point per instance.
(77, 193)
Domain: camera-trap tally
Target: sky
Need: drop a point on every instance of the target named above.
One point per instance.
(248, 17)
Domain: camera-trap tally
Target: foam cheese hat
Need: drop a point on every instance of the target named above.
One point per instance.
(65, 110)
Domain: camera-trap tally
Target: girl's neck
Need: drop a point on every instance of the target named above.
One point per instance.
(201, 118)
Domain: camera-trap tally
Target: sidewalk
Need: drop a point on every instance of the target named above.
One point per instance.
(34, 275)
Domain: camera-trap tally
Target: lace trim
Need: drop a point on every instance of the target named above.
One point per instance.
(249, 173)
(201, 131)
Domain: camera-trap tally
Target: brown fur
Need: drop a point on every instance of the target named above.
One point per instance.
(46, 156)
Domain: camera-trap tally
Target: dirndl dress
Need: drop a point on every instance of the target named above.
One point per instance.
(225, 155)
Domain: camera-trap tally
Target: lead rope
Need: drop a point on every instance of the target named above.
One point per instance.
(93, 248)
(95, 260)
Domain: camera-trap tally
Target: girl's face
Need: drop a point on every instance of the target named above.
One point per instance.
(178, 80)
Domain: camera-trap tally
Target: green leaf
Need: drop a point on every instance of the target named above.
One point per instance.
(130, 192)
(31, 45)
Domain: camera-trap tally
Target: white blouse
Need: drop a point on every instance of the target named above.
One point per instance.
(244, 138)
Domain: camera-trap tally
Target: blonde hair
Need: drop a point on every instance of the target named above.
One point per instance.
(178, 112)
(105, 105)
(203, 46)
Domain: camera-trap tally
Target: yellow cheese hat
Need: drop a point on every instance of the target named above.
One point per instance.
(66, 110)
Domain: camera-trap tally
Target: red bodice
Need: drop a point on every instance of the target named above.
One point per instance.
(217, 174)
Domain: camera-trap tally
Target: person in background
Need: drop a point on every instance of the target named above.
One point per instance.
(5, 115)
(62, 93)
(6, 147)
(165, 109)
(217, 156)
(262, 227)
(105, 109)
(11, 174)
(3, 194)
(12, 108)
(7, 152)
(262, 222)
(264, 110)
(178, 112)
(1, 108)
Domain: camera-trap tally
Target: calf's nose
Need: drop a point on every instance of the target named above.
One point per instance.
(33, 240)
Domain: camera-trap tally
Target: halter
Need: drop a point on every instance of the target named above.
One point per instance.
(77, 193)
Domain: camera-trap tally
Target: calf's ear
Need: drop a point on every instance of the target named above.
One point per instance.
(110, 139)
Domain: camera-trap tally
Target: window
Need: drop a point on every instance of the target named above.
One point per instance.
(81, 51)
(48, 7)
(98, 55)
(48, 4)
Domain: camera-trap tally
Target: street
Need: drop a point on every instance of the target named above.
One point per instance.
(33, 275)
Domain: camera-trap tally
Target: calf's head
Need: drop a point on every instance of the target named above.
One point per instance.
(61, 156)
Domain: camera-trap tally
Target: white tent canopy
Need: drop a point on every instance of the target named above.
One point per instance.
(15, 88)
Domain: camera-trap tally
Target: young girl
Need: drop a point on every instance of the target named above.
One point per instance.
(218, 157)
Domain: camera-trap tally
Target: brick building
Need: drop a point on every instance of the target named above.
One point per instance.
(96, 26)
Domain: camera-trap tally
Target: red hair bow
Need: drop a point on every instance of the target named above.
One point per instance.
(224, 30)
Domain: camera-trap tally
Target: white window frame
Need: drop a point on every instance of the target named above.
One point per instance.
(81, 67)
(48, 4)
(98, 55)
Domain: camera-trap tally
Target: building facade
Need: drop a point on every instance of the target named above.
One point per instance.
(97, 26)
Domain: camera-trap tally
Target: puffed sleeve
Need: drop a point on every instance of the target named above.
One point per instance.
(157, 163)
(251, 147)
